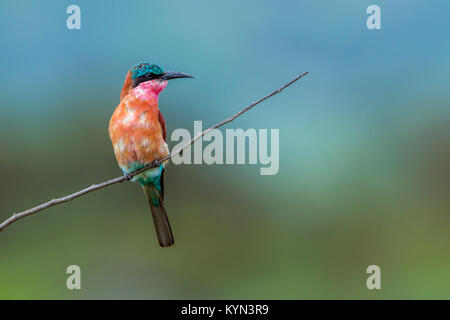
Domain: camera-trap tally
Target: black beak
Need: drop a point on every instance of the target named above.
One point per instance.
(168, 75)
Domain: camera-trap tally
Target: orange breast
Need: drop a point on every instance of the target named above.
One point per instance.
(136, 132)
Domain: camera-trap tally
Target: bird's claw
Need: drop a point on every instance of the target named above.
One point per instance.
(129, 177)
(155, 163)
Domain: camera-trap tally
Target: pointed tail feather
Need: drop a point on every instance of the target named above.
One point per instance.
(162, 226)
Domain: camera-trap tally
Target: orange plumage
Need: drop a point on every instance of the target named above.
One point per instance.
(137, 128)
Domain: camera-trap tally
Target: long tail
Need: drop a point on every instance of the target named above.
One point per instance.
(162, 226)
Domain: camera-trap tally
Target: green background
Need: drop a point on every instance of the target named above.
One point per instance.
(364, 150)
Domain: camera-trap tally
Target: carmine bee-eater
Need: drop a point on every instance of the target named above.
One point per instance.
(138, 133)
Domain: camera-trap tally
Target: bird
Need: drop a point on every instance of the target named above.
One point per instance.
(137, 131)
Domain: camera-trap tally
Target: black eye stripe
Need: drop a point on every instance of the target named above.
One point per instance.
(145, 77)
(152, 76)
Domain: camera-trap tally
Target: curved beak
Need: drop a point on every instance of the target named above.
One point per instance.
(168, 75)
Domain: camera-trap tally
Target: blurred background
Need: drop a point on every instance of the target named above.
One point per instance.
(364, 150)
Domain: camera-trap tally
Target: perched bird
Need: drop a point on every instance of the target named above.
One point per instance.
(138, 133)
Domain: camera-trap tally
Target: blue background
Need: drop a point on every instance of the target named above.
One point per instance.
(364, 150)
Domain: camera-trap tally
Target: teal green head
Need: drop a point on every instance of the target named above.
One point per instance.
(144, 72)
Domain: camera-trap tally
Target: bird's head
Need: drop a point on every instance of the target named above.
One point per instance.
(152, 76)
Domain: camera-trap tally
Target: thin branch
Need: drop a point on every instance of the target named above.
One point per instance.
(102, 185)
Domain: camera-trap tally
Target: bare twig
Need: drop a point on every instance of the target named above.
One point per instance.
(102, 185)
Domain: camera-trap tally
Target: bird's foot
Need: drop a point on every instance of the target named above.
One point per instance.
(155, 163)
(129, 177)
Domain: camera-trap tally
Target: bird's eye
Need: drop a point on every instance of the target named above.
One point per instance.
(151, 76)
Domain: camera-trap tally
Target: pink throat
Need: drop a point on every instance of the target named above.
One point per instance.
(149, 90)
